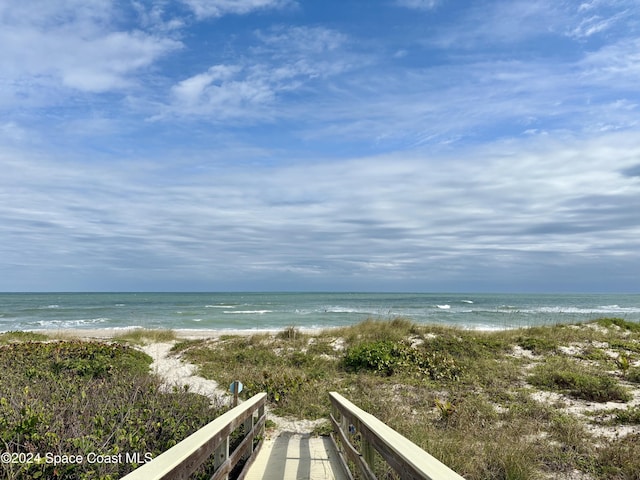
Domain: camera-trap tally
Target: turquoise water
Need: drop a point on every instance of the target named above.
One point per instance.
(260, 311)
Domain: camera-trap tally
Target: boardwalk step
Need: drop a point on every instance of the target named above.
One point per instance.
(294, 456)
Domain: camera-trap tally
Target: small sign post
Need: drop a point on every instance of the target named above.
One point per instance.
(235, 388)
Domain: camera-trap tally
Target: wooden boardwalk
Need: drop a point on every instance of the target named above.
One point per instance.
(294, 456)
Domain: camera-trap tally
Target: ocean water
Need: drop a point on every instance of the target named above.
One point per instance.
(268, 311)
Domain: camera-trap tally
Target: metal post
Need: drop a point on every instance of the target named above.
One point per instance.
(235, 393)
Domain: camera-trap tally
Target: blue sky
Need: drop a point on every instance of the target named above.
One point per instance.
(416, 145)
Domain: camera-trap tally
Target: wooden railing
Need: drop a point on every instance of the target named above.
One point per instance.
(404, 456)
(183, 459)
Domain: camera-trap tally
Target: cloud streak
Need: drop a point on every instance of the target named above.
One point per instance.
(385, 218)
(218, 8)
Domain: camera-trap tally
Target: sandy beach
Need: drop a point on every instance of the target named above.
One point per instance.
(185, 334)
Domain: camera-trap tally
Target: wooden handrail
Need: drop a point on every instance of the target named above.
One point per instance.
(404, 456)
(183, 459)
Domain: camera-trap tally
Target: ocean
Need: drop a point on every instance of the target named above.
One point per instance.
(269, 311)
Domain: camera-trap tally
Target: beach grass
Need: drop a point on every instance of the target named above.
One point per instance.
(142, 336)
(18, 336)
(490, 404)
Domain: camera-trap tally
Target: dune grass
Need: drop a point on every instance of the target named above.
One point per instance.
(464, 396)
(18, 336)
(141, 336)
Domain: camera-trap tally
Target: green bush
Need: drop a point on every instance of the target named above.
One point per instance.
(388, 358)
(380, 357)
(537, 345)
(629, 416)
(76, 398)
(633, 375)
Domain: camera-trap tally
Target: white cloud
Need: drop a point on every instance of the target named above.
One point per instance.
(224, 92)
(285, 60)
(419, 4)
(154, 16)
(595, 24)
(301, 40)
(499, 23)
(398, 216)
(512, 22)
(72, 44)
(105, 63)
(615, 65)
(191, 90)
(218, 8)
(12, 132)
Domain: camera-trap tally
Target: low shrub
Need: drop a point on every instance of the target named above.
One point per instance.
(289, 333)
(633, 375)
(629, 416)
(388, 358)
(568, 377)
(619, 459)
(394, 330)
(620, 323)
(537, 345)
(81, 398)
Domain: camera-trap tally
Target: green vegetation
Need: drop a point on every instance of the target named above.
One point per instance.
(467, 397)
(570, 377)
(9, 337)
(491, 405)
(387, 358)
(86, 398)
(620, 323)
(141, 336)
(629, 416)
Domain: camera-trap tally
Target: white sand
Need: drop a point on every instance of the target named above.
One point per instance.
(175, 372)
(186, 334)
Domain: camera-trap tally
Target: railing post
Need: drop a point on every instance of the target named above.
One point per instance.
(247, 426)
(368, 453)
(260, 415)
(221, 455)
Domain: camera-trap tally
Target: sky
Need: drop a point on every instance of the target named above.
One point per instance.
(283, 145)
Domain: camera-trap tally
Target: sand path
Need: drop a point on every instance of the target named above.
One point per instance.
(176, 372)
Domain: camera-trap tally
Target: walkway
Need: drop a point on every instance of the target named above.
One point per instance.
(295, 456)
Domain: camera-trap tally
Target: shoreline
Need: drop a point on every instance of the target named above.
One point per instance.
(181, 333)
